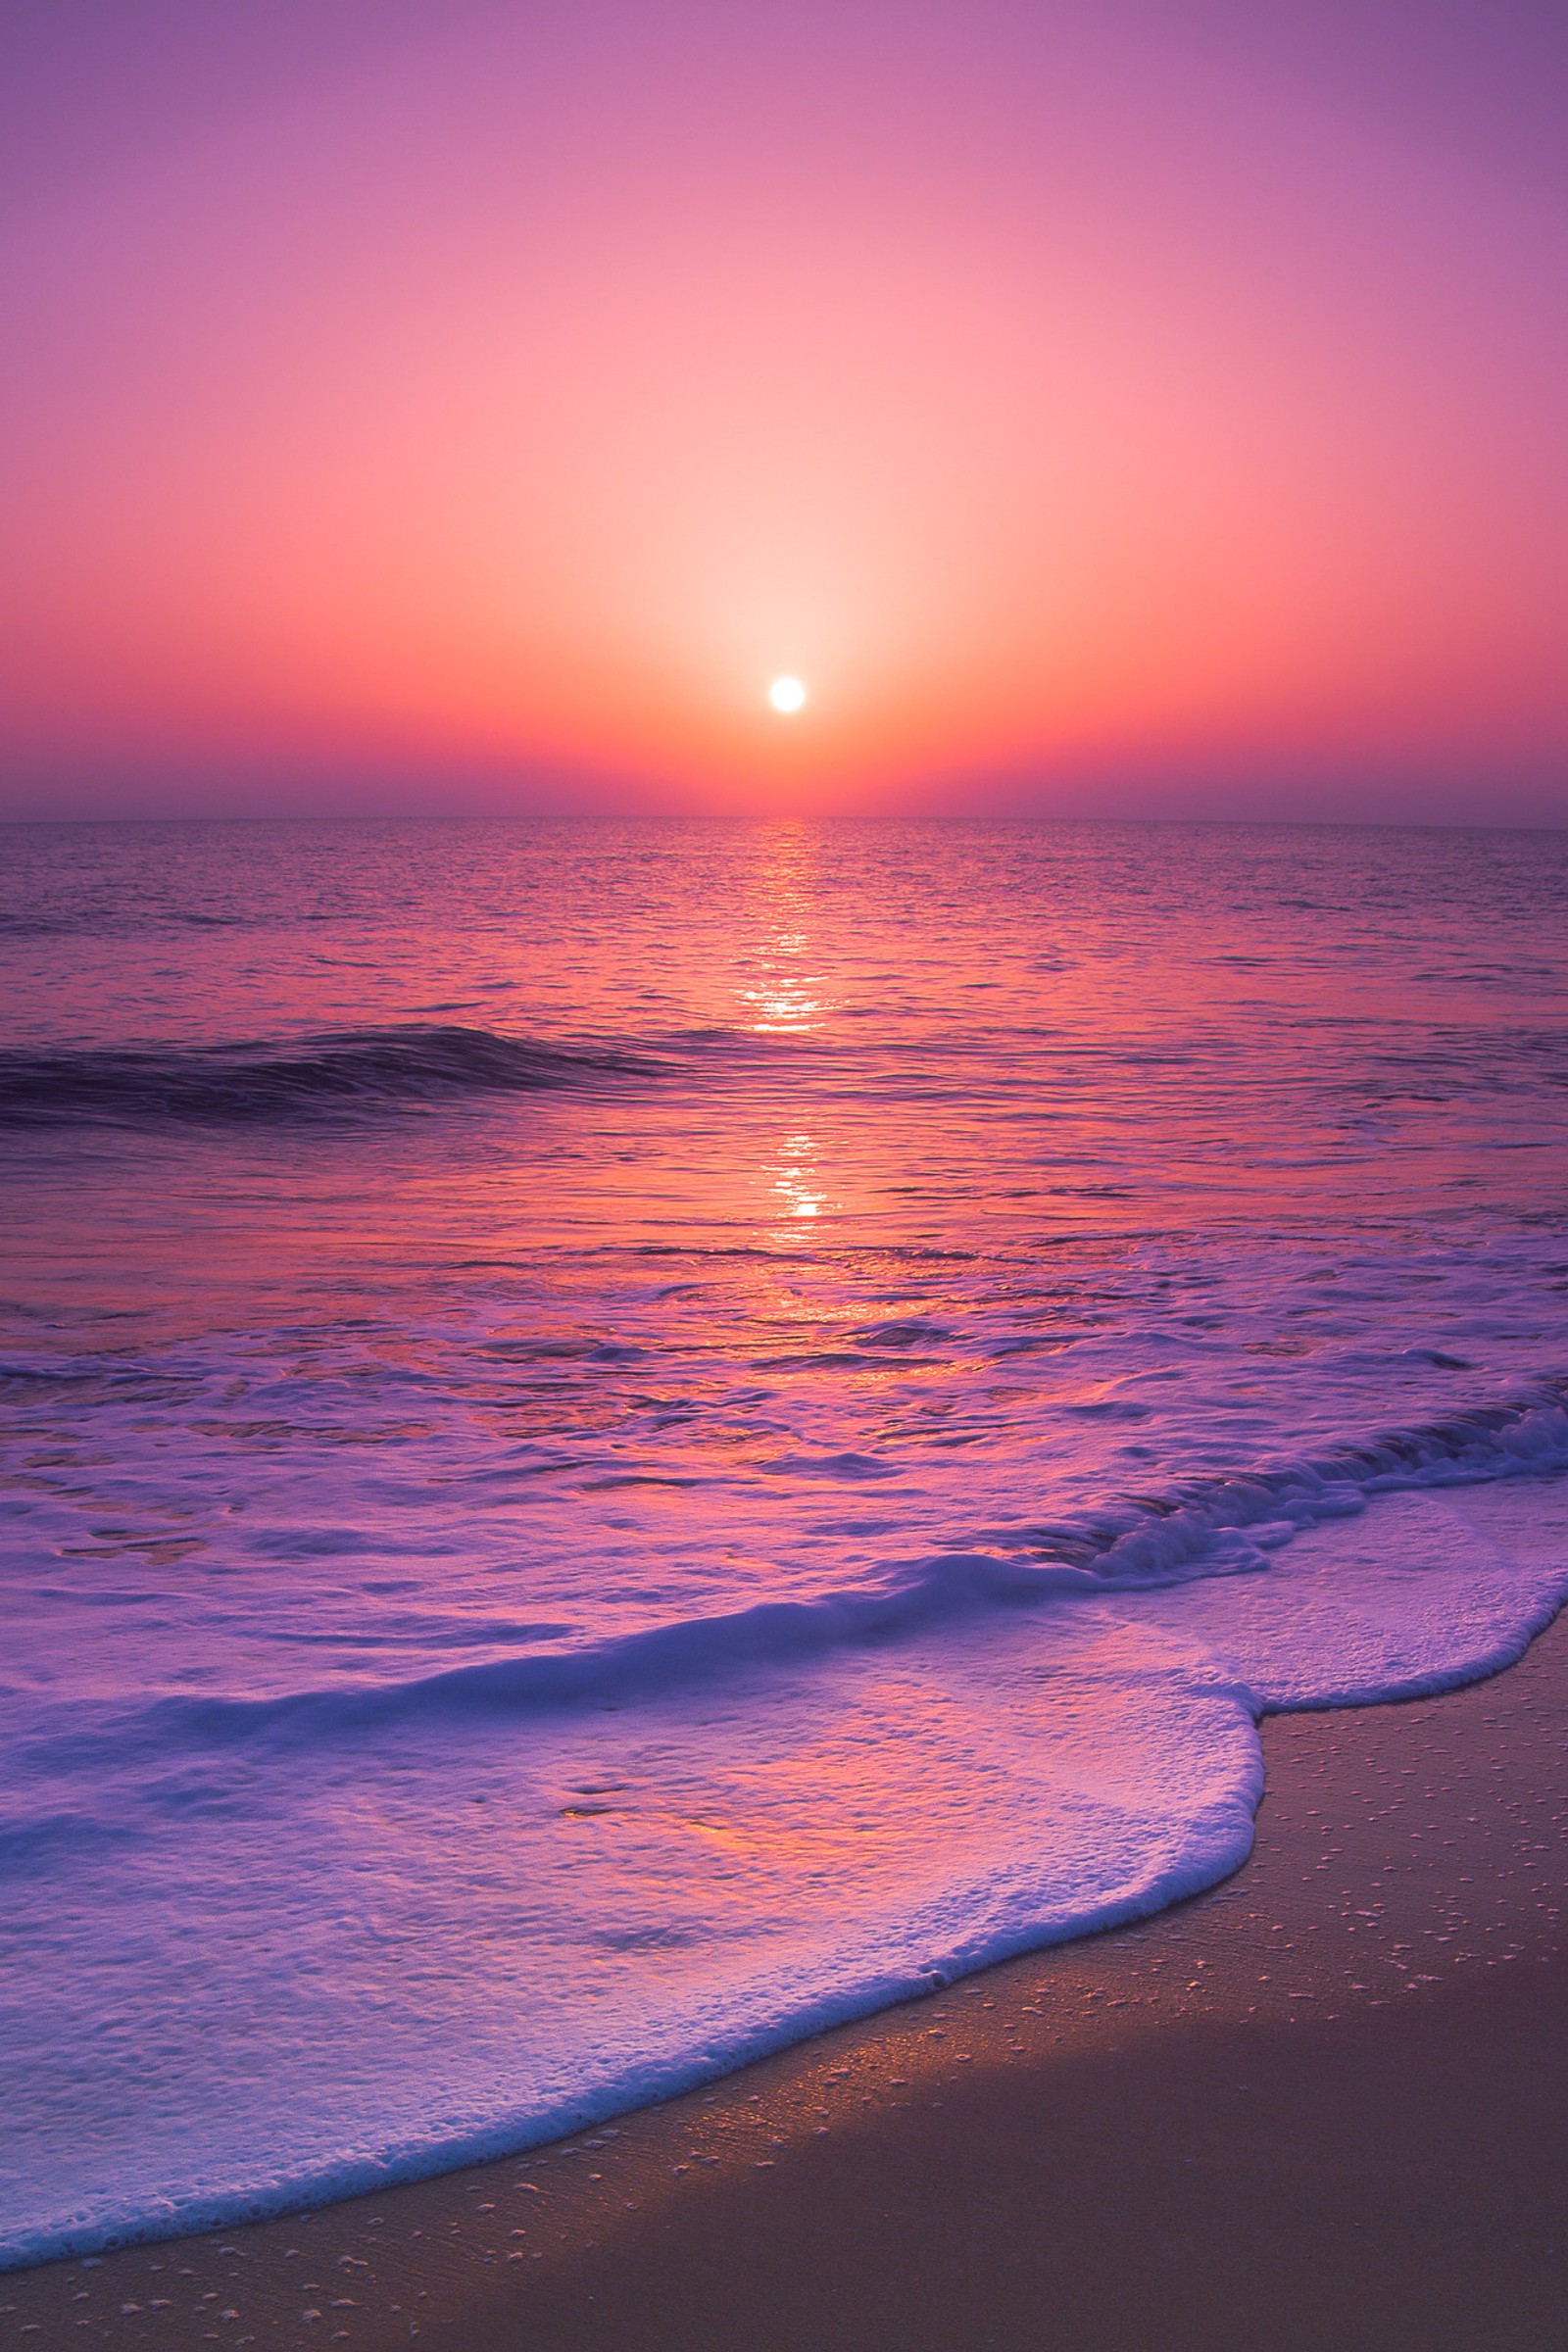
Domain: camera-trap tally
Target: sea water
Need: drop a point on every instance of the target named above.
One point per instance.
(622, 1440)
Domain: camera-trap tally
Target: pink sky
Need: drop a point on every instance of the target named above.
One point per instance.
(1153, 408)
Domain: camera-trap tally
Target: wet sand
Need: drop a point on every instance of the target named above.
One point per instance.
(1323, 2105)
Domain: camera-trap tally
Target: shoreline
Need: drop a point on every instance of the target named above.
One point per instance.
(1320, 2102)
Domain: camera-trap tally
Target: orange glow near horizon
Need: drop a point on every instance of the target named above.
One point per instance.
(515, 417)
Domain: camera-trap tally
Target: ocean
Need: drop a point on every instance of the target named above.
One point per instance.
(622, 1440)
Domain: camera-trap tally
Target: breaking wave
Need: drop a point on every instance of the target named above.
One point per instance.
(1213, 1527)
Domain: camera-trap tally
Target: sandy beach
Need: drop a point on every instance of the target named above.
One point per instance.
(1322, 2105)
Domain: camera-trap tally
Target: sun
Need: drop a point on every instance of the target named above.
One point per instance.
(786, 695)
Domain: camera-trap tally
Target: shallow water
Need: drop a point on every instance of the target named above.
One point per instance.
(623, 1439)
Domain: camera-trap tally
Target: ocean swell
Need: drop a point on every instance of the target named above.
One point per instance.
(349, 1072)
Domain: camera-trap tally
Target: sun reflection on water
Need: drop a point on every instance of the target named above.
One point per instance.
(796, 1183)
(782, 995)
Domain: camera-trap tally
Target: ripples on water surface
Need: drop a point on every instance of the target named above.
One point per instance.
(819, 1375)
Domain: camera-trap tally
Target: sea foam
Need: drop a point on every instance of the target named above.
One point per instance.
(266, 1971)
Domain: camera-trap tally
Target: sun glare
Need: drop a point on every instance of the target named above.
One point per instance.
(786, 694)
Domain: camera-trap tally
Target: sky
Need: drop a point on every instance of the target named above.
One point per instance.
(1145, 409)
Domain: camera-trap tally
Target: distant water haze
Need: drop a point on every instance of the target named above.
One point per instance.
(1152, 408)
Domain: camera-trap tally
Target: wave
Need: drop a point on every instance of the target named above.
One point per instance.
(351, 1072)
(1211, 1527)
(367, 2037)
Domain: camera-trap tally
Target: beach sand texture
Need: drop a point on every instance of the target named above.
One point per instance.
(1321, 2105)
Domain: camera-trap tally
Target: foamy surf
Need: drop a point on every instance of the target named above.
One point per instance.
(1212, 1526)
(263, 1975)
